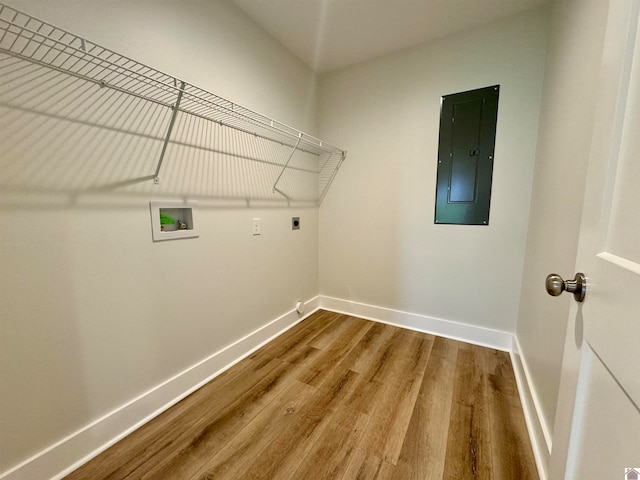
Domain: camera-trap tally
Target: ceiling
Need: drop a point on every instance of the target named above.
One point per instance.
(329, 34)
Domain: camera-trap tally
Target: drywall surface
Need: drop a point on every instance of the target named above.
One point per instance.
(93, 312)
(378, 241)
(566, 121)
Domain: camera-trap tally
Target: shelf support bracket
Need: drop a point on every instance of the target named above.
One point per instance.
(174, 114)
(275, 188)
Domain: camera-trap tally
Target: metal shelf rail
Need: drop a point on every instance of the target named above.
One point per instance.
(39, 43)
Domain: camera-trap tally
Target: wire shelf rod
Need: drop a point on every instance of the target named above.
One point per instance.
(131, 94)
(103, 70)
(206, 104)
(248, 132)
(92, 80)
(332, 176)
(107, 70)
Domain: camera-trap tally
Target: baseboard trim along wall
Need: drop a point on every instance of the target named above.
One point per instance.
(485, 337)
(63, 457)
(78, 448)
(537, 427)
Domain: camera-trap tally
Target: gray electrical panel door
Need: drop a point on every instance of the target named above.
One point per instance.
(465, 156)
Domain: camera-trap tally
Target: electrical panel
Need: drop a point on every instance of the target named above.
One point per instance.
(465, 156)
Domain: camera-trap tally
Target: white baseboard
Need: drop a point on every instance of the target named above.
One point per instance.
(63, 457)
(497, 339)
(485, 337)
(537, 427)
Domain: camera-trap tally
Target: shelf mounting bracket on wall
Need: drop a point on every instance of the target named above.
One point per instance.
(174, 114)
(53, 70)
(275, 188)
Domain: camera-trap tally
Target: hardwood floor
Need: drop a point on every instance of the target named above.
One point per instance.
(338, 397)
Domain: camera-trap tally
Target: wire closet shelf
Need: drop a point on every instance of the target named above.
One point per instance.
(28, 39)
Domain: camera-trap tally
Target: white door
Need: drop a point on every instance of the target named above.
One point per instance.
(597, 433)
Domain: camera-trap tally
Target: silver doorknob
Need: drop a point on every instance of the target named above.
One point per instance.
(556, 285)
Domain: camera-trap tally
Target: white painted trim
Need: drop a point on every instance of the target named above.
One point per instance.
(68, 454)
(621, 262)
(486, 337)
(464, 332)
(61, 458)
(541, 441)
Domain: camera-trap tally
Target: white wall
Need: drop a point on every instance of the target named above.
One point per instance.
(378, 241)
(566, 121)
(93, 312)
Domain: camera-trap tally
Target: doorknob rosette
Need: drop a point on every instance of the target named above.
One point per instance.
(556, 285)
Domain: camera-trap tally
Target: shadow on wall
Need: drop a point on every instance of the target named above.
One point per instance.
(62, 134)
(77, 296)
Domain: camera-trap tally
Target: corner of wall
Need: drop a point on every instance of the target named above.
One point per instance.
(66, 455)
(539, 433)
(463, 332)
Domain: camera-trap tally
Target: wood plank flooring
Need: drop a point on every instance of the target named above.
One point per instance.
(340, 398)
